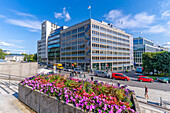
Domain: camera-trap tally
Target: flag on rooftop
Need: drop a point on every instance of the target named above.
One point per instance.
(89, 7)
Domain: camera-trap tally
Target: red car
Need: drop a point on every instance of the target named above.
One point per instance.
(145, 79)
(120, 76)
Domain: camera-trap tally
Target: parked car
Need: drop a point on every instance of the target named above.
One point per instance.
(102, 74)
(78, 70)
(120, 76)
(164, 79)
(67, 69)
(145, 79)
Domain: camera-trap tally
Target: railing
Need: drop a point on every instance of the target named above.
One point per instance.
(12, 77)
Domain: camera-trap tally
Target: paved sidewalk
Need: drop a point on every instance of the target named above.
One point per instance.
(9, 102)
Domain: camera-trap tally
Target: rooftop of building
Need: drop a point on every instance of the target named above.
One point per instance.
(14, 55)
(142, 38)
(109, 25)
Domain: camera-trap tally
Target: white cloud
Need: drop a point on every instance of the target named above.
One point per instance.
(2, 16)
(157, 29)
(64, 15)
(167, 45)
(166, 14)
(140, 20)
(113, 14)
(6, 44)
(21, 13)
(33, 24)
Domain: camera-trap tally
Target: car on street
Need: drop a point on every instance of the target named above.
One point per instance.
(78, 70)
(120, 76)
(67, 69)
(164, 79)
(102, 74)
(145, 79)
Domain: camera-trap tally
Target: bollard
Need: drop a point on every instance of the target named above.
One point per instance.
(9, 80)
(160, 101)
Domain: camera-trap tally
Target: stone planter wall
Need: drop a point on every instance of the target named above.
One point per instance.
(42, 103)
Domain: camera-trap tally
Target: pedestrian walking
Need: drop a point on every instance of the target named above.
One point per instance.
(80, 75)
(76, 73)
(70, 74)
(91, 78)
(84, 75)
(91, 70)
(88, 70)
(146, 93)
(118, 84)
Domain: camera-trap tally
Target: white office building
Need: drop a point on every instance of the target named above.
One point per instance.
(42, 45)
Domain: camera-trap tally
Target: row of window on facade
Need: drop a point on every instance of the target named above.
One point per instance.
(73, 37)
(108, 47)
(73, 31)
(108, 30)
(103, 35)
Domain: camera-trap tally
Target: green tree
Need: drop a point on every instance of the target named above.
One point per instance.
(2, 54)
(148, 62)
(159, 61)
(35, 57)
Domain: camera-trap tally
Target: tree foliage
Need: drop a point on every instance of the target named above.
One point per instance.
(30, 58)
(159, 61)
(2, 54)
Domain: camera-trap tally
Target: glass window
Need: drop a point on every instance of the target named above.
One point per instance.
(140, 41)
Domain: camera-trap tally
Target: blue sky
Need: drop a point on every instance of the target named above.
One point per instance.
(20, 20)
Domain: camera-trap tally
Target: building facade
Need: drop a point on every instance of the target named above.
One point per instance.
(42, 45)
(142, 45)
(7, 51)
(14, 57)
(96, 45)
(54, 46)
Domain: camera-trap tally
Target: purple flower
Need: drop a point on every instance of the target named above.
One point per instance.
(87, 107)
(77, 105)
(119, 111)
(100, 111)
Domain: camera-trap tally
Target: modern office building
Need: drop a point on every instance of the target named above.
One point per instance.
(96, 45)
(42, 45)
(142, 45)
(54, 46)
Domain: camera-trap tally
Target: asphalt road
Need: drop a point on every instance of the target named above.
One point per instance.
(133, 82)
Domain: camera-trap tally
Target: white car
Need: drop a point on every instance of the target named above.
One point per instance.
(102, 74)
(66, 69)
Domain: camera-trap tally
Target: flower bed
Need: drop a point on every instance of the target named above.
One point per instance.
(87, 95)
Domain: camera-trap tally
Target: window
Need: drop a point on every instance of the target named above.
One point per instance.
(74, 31)
(81, 29)
(95, 33)
(80, 35)
(95, 26)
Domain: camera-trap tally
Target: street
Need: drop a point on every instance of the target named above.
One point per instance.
(133, 82)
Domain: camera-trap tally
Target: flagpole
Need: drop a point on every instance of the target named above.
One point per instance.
(90, 12)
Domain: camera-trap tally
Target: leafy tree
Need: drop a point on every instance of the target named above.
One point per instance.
(35, 57)
(147, 60)
(159, 61)
(2, 54)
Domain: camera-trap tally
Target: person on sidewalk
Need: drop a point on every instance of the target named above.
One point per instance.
(84, 75)
(118, 84)
(91, 78)
(146, 93)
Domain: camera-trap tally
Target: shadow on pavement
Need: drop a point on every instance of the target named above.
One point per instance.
(155, 103)
(15, 95)
(140, 97)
